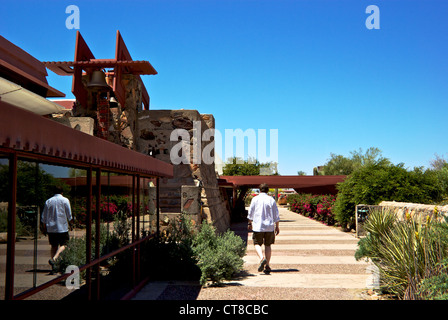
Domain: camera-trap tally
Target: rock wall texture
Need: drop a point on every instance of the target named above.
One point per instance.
(157, 137)
(416, 210)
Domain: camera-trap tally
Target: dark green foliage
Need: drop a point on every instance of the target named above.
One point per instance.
(171, 257)
(382, 181)
(436, 286)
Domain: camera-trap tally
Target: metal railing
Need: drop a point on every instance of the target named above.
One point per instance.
(95, 263)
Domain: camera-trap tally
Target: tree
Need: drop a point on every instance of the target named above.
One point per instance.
(438, 163)
(341, 165)
(238, 167)
(440, 167)
(34, 185)
(301, 173)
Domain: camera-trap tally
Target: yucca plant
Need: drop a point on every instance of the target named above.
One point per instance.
(377, 226)
(405, 251)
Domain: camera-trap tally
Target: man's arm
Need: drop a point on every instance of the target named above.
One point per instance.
(68, 214)
(277, 227)
(43, 221)
(250, 216)
(249, 219)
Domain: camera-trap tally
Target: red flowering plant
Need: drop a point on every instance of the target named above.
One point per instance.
(78, 206)
(110, 207)
(324, 210)
(108, 210)
(313, 206)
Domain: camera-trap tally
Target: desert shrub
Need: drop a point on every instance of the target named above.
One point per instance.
(219, 256)
(408, 254)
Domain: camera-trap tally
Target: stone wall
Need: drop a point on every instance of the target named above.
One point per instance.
(416, 210)
(154, 130)
(83, 124)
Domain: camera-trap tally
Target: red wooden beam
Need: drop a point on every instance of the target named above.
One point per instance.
(82, 53)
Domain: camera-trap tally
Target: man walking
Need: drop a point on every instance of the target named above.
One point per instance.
(55, 220)
(264, 221)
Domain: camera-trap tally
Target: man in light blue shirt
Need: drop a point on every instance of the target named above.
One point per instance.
(264, 221)
(56, 217)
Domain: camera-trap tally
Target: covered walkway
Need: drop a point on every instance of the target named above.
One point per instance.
(239, 185)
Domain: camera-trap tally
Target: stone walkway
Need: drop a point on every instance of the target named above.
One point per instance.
(310, 261)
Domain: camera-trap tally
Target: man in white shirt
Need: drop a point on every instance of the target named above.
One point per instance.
(264, 221)
(56, 217)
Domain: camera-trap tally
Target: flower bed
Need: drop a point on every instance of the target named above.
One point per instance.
(317, 207)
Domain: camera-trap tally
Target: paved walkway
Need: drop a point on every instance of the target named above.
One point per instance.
(29, 272)
(309, 261)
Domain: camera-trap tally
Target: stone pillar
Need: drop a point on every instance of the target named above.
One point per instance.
(191, 203)
(155, 128)
(129, 117)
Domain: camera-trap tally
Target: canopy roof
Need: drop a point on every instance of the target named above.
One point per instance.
(306, 184)
(28, 132)
(18, 66)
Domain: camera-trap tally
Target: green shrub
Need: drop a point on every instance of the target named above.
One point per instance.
(219, 256)
(435, 287)
(382, 181)
(75, 252)
(180, 253)
(171, 255)
(3, 220)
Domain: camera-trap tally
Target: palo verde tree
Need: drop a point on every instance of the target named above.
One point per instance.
(236, 166)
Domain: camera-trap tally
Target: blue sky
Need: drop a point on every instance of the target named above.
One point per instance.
(309, 68)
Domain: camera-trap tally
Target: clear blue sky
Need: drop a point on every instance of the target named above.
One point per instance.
(309, 68)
